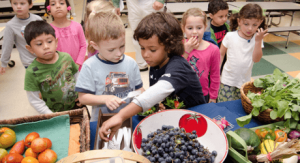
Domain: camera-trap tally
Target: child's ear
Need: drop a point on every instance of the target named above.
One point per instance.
(29, 48)
(56, 41)
(210, 15)
(30, 6)
(94, 45)
(182, 27)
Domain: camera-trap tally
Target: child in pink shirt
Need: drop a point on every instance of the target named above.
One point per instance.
(204, 57)
(69, 33)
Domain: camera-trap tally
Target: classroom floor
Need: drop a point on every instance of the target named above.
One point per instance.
(13, 99)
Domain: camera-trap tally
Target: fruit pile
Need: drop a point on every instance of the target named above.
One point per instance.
(38, 149)
(175, 145)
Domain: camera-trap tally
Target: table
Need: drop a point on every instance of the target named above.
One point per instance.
(5, 6)
(231, 110)
(180, 8)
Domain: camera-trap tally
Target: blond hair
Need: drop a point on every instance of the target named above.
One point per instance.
(194, 12)
(103, 26)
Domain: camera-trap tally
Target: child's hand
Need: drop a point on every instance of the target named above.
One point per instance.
(78, 103)
(157, 5)
(261, 33)
(2, 70)
(113, 102)
(110, 126)
(212, 100)
(117, 10)
(161, 106)
(191, 44)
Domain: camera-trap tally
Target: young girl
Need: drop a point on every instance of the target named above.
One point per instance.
(95, 6)
(160, 37)
(204, 57)
(243, 47)
(69, 33)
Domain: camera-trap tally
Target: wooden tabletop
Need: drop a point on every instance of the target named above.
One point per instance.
(271, 6)
(180, 8)
(6, 4)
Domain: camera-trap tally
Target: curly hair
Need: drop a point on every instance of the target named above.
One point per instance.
(249, 11)
(47, 3)
(216, 5)
(166, 27)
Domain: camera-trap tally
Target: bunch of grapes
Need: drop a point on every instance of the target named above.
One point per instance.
(174, 145)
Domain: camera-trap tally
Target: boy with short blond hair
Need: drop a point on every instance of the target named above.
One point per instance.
(14, 33)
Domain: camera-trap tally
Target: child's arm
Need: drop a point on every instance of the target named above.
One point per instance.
(38, 104)
(8, 43)
(223, 50)
(214, 75)
(112, 102)
(82, 50)
(146, 100)
(257, 52)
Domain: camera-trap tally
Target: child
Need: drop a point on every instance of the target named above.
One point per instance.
(160, 37)
(218, 27)
(110, 75)
(243, 48)
(204, 57)
(94, 6)
(52, 73)
(69, 33)
(13, 34)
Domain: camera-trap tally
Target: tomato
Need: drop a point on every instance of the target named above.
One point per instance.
(281, 136)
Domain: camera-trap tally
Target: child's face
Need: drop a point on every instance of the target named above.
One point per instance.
(194, 27)
(219, 18)
(21, 8)
(58, 8)
(44, 47)
(248, 27)
(111, 50)
(153, 52)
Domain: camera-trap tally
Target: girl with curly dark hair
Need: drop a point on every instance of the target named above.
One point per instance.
(160, 37)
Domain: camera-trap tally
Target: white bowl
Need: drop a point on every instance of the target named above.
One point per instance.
(213, 137)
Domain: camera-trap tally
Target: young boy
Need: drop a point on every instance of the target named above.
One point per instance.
(108, 76)
(14, 33)
(218, 13)
(52, 73)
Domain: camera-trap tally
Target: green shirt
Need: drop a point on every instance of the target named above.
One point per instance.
(117, 2)
(56, 82)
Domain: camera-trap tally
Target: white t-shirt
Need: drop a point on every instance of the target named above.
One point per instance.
(238, 67)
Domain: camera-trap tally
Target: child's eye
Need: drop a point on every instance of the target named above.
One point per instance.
(111, 50)
(189, 28)
(52, 4)
(39, 44)
(142, 48)
(49, 41)
(62, 3)
(153, 51)
(199, 27)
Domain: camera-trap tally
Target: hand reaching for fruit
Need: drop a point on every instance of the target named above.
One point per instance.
(113, 102)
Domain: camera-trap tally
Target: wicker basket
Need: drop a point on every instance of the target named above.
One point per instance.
(80, 116)
(264, 116)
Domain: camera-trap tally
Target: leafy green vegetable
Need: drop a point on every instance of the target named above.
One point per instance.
(148, 112)
(173, 103)
(281, 94)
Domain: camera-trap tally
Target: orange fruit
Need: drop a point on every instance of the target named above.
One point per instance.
(29, 152)
(49, 143)
(48, 156)
(38, 145)
(30, 159)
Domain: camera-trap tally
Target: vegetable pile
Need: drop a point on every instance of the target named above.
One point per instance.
(280, 94)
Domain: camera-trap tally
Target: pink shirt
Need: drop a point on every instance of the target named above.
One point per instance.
(71, 40)
(207, 62)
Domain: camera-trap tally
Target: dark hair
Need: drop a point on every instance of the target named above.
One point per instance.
(216, 5)
(29, 1)
(37, 28)
(166, 27)
(47, 3)
(249, 11)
